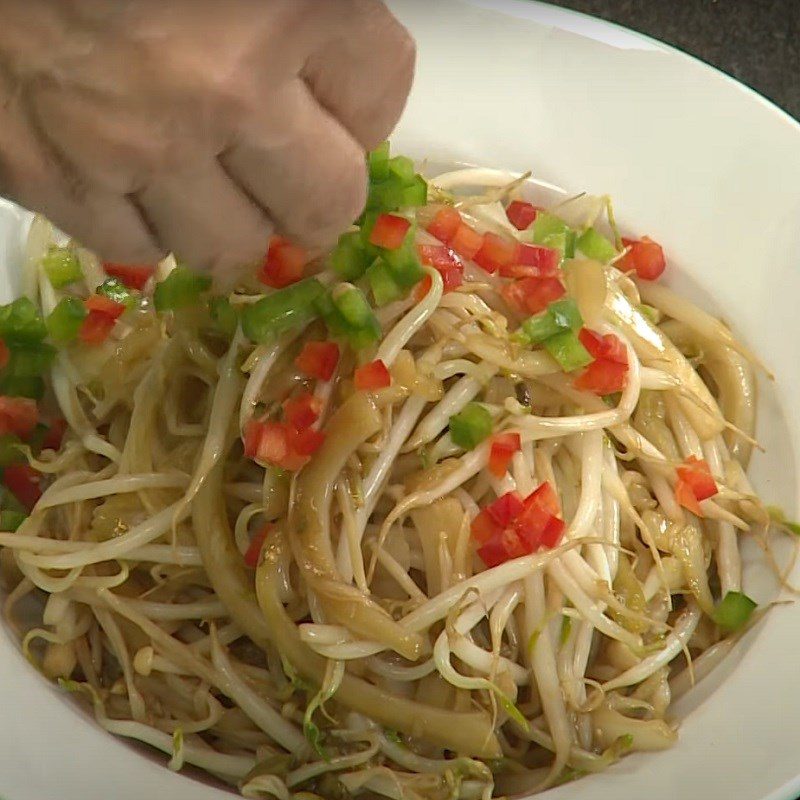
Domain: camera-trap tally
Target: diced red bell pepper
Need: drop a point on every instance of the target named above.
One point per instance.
(302, 411)
(504, 445)
(466, 241)
(280, 444)
(602, 377)
(283, 264)
(55, 434)
(253, 552)
(501, 548)
(685, 497)
(422, 288)
(134, 276)
(531, 524)
(99, 322)
(372, 376)
(273, 442)
(318, 360)
(445, 224)
(5, 354)
(389, 231)
(452, 277)
(484, 527)
(552, 532)
(521, 214)
(96, 327)
(534, 261)
(505, 509)
(22, 480)
(534, 524)
(251, 437)
(532, 295)
(438, 255)
(609, 347)
(266, 441)
(646, 257)
(18, 415)
(307, 442)
(545, 497)
(697, 474)
(445, 261)
(510, 527)
(608, 373)
(540, 292)
(104, 305)
(496, 253)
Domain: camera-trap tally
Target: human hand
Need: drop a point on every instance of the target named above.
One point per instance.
(194, 126)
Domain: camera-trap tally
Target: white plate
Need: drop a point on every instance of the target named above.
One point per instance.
(693, 158)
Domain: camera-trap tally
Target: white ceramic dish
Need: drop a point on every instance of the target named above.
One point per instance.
(693, 158)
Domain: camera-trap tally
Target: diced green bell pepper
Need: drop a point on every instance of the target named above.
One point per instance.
(393, 183)
(562, 315)
(566, 348)
(224, 317)
(402, 168)
(61, 266)
(551, 231)
(470, 426)
(733, 611)
(378, 162)
(594, 245)
(385, 288)
(352, 305)
(351, 256)
(114, 289)
(22, 386)
(181, 288)
(414, 193)
(652, 314)
(21, 321)
(11, 520)
(29, 360)
(9, 450)
(282, 311)
(64, 321)
(404, 263)
(348, 315)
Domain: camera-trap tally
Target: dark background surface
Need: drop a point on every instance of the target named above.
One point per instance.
(756, 41)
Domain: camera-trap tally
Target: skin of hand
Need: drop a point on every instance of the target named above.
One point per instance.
(196, 126)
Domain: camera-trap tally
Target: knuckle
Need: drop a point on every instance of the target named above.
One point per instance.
(340, 200)
(406, 51)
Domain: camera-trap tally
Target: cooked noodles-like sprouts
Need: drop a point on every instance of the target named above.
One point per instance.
(359, 620)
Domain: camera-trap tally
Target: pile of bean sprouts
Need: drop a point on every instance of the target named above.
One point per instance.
(371, 652)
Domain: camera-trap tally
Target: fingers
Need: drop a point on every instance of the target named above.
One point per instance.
(205, 219)
(363, 75)
(36, 178)
(301, 166)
